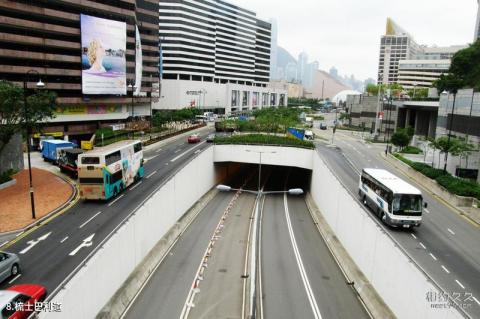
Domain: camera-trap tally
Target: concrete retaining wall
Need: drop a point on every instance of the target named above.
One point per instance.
(116, 258)
(402, 285)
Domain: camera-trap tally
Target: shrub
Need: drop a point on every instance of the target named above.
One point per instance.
(459, 186)
(411, 150)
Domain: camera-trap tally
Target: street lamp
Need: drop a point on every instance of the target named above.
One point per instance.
(387, 131)
(260, 164)
(39, 84)
(451, 124)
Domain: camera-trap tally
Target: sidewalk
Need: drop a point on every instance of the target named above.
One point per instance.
(51, 192)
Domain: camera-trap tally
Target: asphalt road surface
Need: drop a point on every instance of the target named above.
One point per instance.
(51, 252)
(300, 278)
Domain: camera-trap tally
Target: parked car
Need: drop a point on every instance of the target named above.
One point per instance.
(194, 138)
(18, 302)
(210, 138)
(323, 126)
(9, 265)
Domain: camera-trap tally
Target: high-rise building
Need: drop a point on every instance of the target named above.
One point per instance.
(215, 55)
(214, 41)
(50, 40)
(477, 25)
(302, 66)
(395, 45)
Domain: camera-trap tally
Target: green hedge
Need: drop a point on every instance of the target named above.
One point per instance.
(451, 183)
(263, 139)
(411, 150)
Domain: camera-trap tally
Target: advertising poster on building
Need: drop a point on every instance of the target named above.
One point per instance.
(138, 62)
(103, 55)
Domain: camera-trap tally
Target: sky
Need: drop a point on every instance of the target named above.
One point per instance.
(346, 33)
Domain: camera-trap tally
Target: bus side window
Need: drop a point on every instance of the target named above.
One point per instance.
(137, 147)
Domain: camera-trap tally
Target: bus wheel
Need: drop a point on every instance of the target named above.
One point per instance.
(115, 192)
(383, 217)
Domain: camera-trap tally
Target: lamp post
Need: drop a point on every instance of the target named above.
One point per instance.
(387, 131)
(380, 81)
(451, 124)
(39, 84)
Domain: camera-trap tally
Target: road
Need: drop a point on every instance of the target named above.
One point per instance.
(300, 278)
(445, 246)
(165, 294)
(173, 291)
(51, 252)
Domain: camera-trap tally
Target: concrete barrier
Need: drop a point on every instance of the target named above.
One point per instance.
(402, 284)
(111, 263)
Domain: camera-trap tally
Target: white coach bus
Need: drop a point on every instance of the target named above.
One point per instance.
(396, 202)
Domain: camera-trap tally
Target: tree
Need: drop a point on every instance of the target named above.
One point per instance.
(464, 71)
(400, 138)
(40, 106)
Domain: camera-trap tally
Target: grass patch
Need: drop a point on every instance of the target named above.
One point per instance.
(455, 185)
(263, 139)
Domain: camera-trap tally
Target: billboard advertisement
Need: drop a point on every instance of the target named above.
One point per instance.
(103, 55)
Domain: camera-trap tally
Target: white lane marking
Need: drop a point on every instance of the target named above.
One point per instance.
(87, 242)
(182, 154)
(151, 174)
(423, 246)
(90, 219)
(426, 211)
(19, 234)
(150, 158)
(434, 258)
(32, 243)
(450, 231)
(306, 283)
(413, 236)
(460, 284)
(445, 269)
(166, 163)
(157, 151)
(115, 200)
(476, 300)
(63, 240)
(197, 151)
(135, 186)
(3, 243)
(15, 278)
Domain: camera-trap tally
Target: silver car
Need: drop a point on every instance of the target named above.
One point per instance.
(9, 265)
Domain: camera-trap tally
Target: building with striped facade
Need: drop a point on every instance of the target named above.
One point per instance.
(216, 48)
(45, 36)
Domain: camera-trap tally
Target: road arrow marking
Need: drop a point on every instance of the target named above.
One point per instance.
(32, 243)
(87, 242)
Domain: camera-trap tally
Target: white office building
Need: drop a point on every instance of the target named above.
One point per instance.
(426, 67)
(214, 55)
(395, 45)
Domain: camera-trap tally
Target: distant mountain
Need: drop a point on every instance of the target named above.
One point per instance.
(284, 57)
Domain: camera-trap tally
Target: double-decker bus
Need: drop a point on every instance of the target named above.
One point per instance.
(396, 202)
(106, 171)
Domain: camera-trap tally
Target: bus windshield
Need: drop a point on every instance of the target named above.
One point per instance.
(406, 204)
